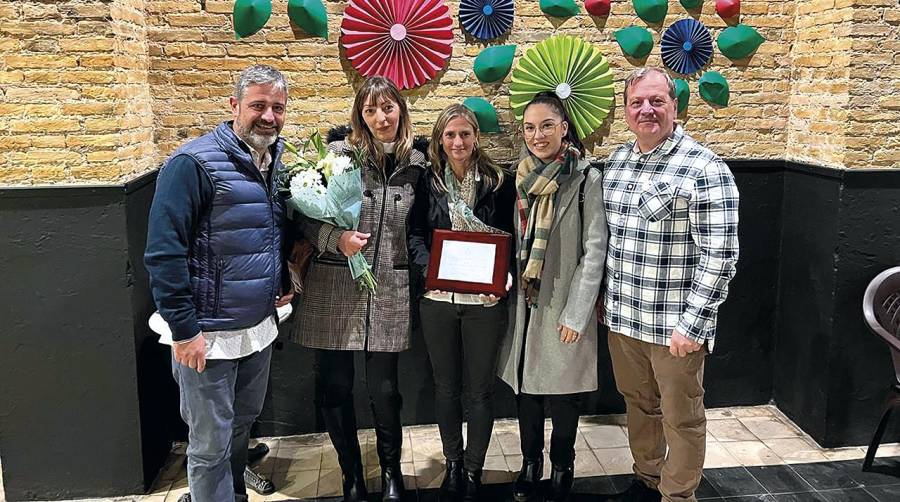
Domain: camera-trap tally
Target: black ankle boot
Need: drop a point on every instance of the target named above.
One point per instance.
(452, 485)
(561, 478)
(340, 422)
(473, 486)
(391, 483)
(526, 484)
(355, 487)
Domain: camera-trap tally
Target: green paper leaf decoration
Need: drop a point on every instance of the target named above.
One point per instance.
(651, 11)
(250, 16)
(559, 8)
(682, 94)
(636, 42)
(485, 113)
(714, 88)
(493, 63)
(738, 42)
(310, 16)
(691, 4)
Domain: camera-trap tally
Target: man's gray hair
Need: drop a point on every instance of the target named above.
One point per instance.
(259, 74)
(640, 73)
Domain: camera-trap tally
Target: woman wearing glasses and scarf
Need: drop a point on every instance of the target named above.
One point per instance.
(551, 355)
(463, 190)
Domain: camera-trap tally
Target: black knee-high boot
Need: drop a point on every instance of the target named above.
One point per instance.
(389, 438)
(341, 424)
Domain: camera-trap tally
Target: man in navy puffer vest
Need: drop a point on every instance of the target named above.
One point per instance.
(214, 253)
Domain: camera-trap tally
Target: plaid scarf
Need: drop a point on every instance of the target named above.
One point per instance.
(536, 185)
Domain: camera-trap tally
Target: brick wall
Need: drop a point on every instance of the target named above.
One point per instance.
(98, 91)
(820, 81)
(75, 102)
(195, 60)
(873, 131)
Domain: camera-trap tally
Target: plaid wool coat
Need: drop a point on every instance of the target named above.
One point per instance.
(333, 313)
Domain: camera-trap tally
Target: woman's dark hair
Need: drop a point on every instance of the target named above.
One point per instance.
(551, 100)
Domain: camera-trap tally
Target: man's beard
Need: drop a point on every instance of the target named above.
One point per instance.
(255, 140)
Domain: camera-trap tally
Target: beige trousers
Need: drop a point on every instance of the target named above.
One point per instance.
(664, 399)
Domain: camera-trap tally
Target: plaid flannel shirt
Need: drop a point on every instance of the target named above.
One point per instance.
(673, 240)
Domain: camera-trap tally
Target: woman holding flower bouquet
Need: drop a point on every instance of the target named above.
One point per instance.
(561, 233)
(340, 315)
(463, 190)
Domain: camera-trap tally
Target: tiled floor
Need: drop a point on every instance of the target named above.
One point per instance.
(753, 453)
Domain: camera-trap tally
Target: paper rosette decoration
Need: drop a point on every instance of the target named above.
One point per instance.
(486, 19)
(310, 16)
(599, 8)
(682, 95)
(728, 8)
(484, 113)
(636, 42)
(738, 42)
(250, 16)
(407, 41)
(559, 8)
(714, 88)
(686, 46)
(651, 11)
(572, 68)
(493, 63)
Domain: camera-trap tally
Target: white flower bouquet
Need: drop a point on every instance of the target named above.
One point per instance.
(328, 188)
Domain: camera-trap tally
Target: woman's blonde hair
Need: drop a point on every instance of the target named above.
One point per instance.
(487, 168)
(374, 90)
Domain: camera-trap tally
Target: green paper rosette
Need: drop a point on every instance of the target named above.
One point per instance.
(559, 8)
(636, 42)
(739, 41)
(575, 70)
(493, 63)
(484, 113)
(651, 11)
(250, 16)
(310, 16)
(682, 95)
(714, 88)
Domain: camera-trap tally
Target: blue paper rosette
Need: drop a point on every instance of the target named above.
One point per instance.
(486, 19)
(686, 46)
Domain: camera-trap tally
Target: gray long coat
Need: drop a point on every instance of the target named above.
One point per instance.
(333, 313)
(570, 283)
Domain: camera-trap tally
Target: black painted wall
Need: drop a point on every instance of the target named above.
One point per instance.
(82, 376)
(72, 424)
(841, 229)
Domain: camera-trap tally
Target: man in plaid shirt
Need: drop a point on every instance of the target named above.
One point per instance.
(672, 208)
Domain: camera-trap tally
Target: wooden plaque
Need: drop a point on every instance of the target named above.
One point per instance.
(469, 262)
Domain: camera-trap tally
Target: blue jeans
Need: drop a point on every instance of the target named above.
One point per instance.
(219, 407)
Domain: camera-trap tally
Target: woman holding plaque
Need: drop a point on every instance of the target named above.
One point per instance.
(464, 190)
(336, 317)
(561, 234)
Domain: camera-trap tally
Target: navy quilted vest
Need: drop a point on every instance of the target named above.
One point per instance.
(235, 259)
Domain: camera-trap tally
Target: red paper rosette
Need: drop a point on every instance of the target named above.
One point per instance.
(727, 9)
(599, 8)
(407, 41)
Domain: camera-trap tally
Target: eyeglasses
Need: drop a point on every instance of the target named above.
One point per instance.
(547, 128)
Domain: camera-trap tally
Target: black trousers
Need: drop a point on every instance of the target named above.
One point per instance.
(564, 413)
(463, 343)
(334, 391)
